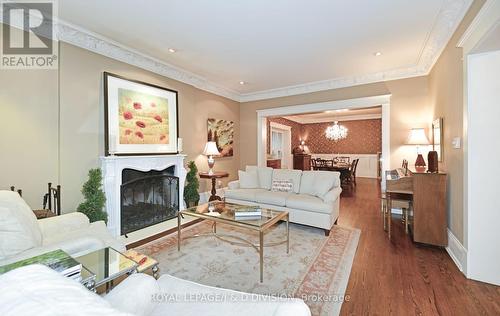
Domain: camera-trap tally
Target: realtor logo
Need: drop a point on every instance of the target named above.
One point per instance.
(28, 30)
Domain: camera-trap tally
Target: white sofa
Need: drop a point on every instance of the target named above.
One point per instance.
(313, 201)
(37, 290)
(23, 236)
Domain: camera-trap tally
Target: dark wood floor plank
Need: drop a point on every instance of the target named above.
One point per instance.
(399, 277)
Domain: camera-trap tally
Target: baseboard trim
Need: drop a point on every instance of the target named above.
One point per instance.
(457, 252)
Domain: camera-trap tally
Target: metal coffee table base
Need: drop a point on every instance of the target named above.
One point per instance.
(241, 241)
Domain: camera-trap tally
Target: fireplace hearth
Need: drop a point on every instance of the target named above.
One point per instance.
(148, 198)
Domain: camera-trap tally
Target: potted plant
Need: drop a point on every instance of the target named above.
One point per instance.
(191, 195)
(94, 197)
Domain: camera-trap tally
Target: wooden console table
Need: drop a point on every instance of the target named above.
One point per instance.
(214, 177)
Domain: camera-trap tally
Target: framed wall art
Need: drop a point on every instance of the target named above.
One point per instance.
(140, 118)
(222, 133)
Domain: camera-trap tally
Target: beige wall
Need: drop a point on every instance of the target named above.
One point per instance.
(28, 131)
(409, 108)
(446, 97)
(29, 143)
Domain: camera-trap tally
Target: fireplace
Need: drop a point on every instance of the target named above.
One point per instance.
(142, 191)
(147, 198)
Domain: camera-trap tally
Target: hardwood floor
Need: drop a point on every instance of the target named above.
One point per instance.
(399, 277)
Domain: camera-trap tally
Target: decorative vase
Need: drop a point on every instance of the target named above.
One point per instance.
(432, 159)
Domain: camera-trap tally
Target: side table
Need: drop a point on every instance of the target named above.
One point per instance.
(144, 262)
(214, 177)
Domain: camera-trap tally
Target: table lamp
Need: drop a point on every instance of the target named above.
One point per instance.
(418, 138)
(211, 151)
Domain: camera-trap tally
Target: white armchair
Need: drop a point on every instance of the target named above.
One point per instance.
(23, 236)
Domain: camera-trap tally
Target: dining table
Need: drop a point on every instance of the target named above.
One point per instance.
(330, 165)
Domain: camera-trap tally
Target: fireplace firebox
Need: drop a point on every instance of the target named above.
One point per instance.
(148, 198)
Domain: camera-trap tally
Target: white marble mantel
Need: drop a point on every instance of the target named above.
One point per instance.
(112, 167)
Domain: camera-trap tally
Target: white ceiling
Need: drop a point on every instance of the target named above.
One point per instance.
(338, 115)
(278, 47)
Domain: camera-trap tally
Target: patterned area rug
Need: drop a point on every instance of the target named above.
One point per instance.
(316, 269)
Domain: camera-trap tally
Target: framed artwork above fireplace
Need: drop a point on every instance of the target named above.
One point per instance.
(140, 118)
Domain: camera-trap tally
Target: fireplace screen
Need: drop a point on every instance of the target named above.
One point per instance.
(148, 198)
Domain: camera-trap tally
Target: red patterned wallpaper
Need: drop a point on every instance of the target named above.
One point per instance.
(364, 137)
(296, 131)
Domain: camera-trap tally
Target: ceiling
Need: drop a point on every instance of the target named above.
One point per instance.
(279, 47)
(338, 115)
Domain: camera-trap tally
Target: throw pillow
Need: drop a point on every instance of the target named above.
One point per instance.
(282, 186)
(265, 176)
(248, 180)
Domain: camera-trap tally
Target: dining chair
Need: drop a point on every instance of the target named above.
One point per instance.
(354, 168)
(344, 159)
(329, 163)
(314, 164)
(13, 188)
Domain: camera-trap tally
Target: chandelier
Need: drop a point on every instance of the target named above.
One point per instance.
(336, 132)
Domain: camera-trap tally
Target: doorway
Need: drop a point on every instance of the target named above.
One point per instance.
(382, 100)
(281, 144)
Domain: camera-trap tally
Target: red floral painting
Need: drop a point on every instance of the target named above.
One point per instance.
(143, 118)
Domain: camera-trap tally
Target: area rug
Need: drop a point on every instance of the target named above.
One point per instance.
(316, 269)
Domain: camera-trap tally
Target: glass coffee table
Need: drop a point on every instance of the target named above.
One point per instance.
(222, 212)
(106, 265)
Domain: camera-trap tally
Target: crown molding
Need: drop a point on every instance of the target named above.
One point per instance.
(332, 84)
(333, 118)
(485, 21)
(99, 44)
(447, 20)
(451, 14)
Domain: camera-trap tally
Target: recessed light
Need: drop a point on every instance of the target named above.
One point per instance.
(342, 110)
(242, 82)
(172, 50)
(377, 54)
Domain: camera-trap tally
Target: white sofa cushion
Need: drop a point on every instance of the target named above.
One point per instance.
(309, 203)
(274, 198)
(192, 300)
(19, 229)
(38, 290)
(135, 295)
(265, 176)
(248, 180)
(287, 174)
(243, 194)
(318, 183)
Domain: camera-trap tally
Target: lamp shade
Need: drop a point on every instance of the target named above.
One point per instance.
(211, 149)
(417, 137)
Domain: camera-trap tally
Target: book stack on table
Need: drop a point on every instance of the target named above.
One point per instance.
(247, 213)
(57, 260)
